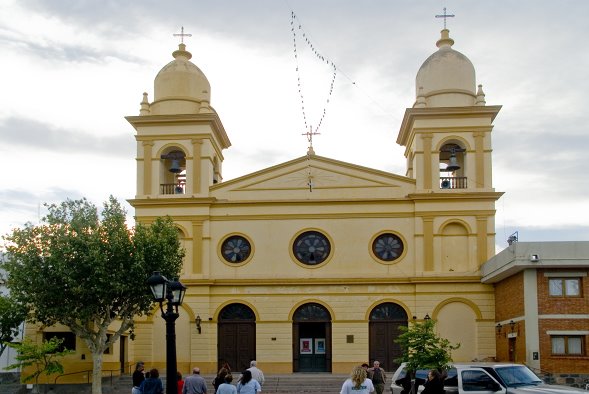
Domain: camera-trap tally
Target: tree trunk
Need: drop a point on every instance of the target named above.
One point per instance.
(97, 373)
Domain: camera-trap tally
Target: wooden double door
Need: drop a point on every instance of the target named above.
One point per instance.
(385, 320)
(236, 341)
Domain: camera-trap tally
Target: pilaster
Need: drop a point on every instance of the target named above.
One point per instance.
(147, 167)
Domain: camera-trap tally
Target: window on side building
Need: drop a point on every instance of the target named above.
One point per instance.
(564, 287)
(69, 339)
(567, 345)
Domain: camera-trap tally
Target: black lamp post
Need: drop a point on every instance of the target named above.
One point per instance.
(172, 291)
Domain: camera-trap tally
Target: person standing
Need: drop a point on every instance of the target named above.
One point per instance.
(226, 387)
(138, 377)
(194, 384)
(180, 384)
(378, 377)
(247, 385)
(256, 372)
(434, 383)
(220, 378)
(357, 383)
(366, 366)
(153, 384)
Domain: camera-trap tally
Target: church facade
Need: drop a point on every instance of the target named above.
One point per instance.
(314, 264)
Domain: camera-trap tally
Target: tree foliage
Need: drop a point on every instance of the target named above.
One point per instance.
(422, 348)
(12, 315)
(88, 270)
(44, 357)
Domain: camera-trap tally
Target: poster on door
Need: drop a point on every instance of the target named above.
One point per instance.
(306, 345)
(319, 345)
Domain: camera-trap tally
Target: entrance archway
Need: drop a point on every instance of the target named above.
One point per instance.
(311, 328)
(385, 320)
(236, 337)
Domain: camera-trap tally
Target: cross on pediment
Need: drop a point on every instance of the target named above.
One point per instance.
(309, 134)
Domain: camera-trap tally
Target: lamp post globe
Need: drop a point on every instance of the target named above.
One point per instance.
(158, 284)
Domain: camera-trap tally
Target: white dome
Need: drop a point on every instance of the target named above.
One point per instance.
(446, 78)
(180, 87)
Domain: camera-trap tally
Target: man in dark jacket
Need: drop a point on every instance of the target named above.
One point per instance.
(378, 377)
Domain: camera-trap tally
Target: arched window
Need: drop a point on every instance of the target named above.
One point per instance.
(237, 312)
(388, 311)
(312, 312)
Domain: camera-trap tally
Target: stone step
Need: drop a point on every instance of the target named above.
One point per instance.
(283, 384)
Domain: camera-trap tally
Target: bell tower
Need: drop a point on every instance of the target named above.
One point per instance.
(447, 132)
(180, 137)
(447, 140)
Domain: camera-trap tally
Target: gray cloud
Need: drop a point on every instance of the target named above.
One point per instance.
(63, 52)
(29, 133)
(20, 206)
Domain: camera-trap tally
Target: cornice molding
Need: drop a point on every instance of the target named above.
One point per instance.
(302, 282)
(211, 119)
(413, 114)
(453, 195)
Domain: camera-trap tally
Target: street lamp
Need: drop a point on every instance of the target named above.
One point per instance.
(172, 291)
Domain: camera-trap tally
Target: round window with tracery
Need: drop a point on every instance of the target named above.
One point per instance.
(311, 248)
(387, 247)
(236, 249)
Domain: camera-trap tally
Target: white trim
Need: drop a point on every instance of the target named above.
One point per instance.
(532, 337)
(563, 332)
(562, 317)
(565, 274)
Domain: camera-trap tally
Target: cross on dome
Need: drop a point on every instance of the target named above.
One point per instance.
(445, 16)
(182, 34)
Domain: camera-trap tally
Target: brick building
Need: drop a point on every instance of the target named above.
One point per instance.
(542, 307)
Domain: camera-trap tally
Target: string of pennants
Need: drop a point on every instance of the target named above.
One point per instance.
(296, 26)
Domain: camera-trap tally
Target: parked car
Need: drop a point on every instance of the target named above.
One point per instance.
(481, 378)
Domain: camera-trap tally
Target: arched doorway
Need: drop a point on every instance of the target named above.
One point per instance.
(236, 340)
(385, 320)
(311, 328)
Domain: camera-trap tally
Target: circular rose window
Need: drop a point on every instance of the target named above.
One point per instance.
(387, 247)
(236, 249)
(311, 248)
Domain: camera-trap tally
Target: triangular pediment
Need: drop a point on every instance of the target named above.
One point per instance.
(315, 176)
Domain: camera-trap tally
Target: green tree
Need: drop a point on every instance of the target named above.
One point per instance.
(88, 271)
(12, 315)
(422, 348)
(43, 357)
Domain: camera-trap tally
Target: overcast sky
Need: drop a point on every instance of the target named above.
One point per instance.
(71, 70)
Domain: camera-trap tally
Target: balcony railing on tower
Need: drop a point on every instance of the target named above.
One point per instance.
(172, 188)
(453, 182)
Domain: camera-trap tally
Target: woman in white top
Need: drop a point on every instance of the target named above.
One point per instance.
(357, 383)
(247, 385)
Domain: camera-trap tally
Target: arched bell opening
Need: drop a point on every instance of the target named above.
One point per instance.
(173, 172)
(452, 159)
(216, 171)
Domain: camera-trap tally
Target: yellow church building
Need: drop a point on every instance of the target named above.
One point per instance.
(314, 264)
